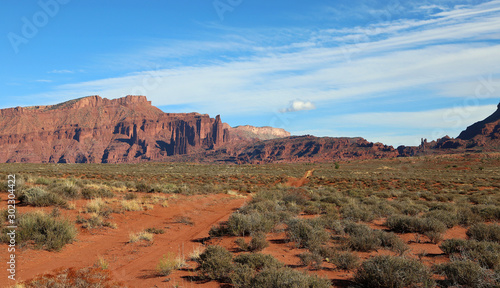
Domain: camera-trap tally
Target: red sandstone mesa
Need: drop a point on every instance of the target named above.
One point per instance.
(94, 130)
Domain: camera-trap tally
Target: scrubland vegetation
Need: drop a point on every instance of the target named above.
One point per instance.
(364, 218)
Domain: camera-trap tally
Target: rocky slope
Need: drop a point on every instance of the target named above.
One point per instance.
(482, 136)
(98, 130)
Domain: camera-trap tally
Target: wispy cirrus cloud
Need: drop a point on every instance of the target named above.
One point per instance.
(443, 54)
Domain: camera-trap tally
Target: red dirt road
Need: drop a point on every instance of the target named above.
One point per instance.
(134, 263)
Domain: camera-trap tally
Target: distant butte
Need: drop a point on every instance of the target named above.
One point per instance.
(129, 130)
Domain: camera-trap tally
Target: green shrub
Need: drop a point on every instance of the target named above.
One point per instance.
(357, 212)
(392, 272)
(466, 274)
(258, 261)
(364, 242)
(484, 232)
(467, 217)
(240, 224)
(215, 263)
(306, 233)
(450, 219)
(36, 196)
(487, 254)
(313, 260)
(67, 189)
(392, 241)
(45, 231)
(409, 224)
(487, 212)
(240, 242)
(92, 192)
(258, 242)
(287, 278)
(242, 276)
(345, 260)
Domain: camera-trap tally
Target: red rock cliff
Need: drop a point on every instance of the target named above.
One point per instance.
(94, 130)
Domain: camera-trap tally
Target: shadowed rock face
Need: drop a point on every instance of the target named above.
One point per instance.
(98, 130)
(489, 128)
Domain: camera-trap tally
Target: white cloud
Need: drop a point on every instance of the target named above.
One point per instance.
(298, 105)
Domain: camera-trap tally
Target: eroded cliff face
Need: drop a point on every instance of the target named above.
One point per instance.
(98, 130)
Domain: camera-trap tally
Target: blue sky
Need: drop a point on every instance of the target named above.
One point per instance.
(390, 71)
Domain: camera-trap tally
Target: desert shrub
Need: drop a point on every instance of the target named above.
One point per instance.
(484, 232)
(287, 278)
(92, 192)
(258, 242)
(43, 181)
(313, 260)
(450, 219)
(44, 230)
(487, 254)
(364, 241)
(487, 212)
(392, 272)
(67, 189)
(242, 276)
(357, 212)
(312, 208)
(466, 274)
(143, 187)
(408, 224)
(240, 242)
(153, 230)
(240, 224)
(258, 261)
(130, 196)
(409, 207)
(215, 263)
(36, 196)
(306, 233)
(434, 237)
(466, 216)
(345, 260)
(167, 264)
(392, 241)
(90, 277)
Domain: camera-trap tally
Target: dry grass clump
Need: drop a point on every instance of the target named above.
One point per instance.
(90, 277)
(168, 263)
(131, 205)
(143, 235)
